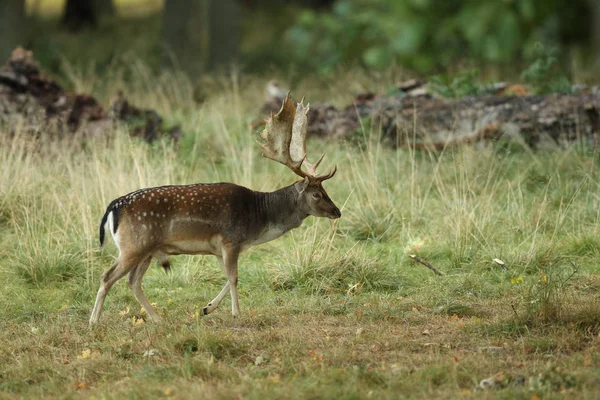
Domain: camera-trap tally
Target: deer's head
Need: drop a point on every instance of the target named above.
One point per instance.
(284, 141)
(314, 200)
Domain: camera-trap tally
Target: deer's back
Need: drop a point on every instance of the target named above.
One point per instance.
(187, 219)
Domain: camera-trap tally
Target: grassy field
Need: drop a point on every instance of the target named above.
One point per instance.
(331, 310)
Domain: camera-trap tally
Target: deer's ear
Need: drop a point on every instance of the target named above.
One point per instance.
(302, 185)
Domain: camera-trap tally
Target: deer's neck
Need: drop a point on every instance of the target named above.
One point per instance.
(280, 209)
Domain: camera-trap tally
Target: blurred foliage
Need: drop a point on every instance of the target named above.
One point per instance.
(463, 83)
(544, 75)
(424, 36)
(427, 34)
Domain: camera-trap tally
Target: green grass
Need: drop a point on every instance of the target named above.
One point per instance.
(331, 310)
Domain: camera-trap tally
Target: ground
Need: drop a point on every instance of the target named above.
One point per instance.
(334, 309)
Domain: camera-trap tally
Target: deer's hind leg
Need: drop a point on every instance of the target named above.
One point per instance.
(135, 283)
(121, 267)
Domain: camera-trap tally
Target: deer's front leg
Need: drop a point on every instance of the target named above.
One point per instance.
(228, 263)
(230, 260)
(214, 303)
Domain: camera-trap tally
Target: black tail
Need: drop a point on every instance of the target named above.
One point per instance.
(113, 206)
(166, 266)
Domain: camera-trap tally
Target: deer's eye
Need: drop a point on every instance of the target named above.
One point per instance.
(316, 195)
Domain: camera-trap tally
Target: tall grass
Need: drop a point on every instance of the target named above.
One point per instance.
(467, 206)
(458, 208)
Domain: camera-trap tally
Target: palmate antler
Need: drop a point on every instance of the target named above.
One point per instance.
(284, 139)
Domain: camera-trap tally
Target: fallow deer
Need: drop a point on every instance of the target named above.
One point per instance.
(222, 219)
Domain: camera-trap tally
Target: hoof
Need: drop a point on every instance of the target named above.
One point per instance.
(205, 310)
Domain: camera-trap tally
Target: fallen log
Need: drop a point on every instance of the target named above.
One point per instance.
(32, 100)
(411, 117)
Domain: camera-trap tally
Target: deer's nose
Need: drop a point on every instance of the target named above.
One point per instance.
(337, 213)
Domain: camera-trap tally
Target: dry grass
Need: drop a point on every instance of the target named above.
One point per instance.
(332, 310)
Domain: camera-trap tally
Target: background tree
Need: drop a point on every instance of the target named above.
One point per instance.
(78, 14)
(225, 18)
(202, 34)
(596, 29)
(12, 26)
(81, 13)
(104, 7)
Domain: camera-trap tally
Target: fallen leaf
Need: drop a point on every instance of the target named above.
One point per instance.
(82, 385)
(135, 321)
(587, 362)
(425, 332)
(85, 354)
(535, 397)
(168, 391)
(259, 360)
(125, 311)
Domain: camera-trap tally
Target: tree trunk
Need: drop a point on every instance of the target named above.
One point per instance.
(104, 8)
(225, 18)
(202, 34)
(12, 26)
(595, 42)
(79, 14)
(184, 34)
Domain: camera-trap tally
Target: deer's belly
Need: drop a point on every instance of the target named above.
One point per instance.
(207, 245)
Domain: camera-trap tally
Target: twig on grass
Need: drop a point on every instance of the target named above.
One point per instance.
(514, 308)
(425, 263)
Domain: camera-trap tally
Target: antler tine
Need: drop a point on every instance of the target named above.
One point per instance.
(312, 168)
(329, 175)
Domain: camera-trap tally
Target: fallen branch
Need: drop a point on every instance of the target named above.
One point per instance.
(425, 263)
(412, 117)
(28, 94)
